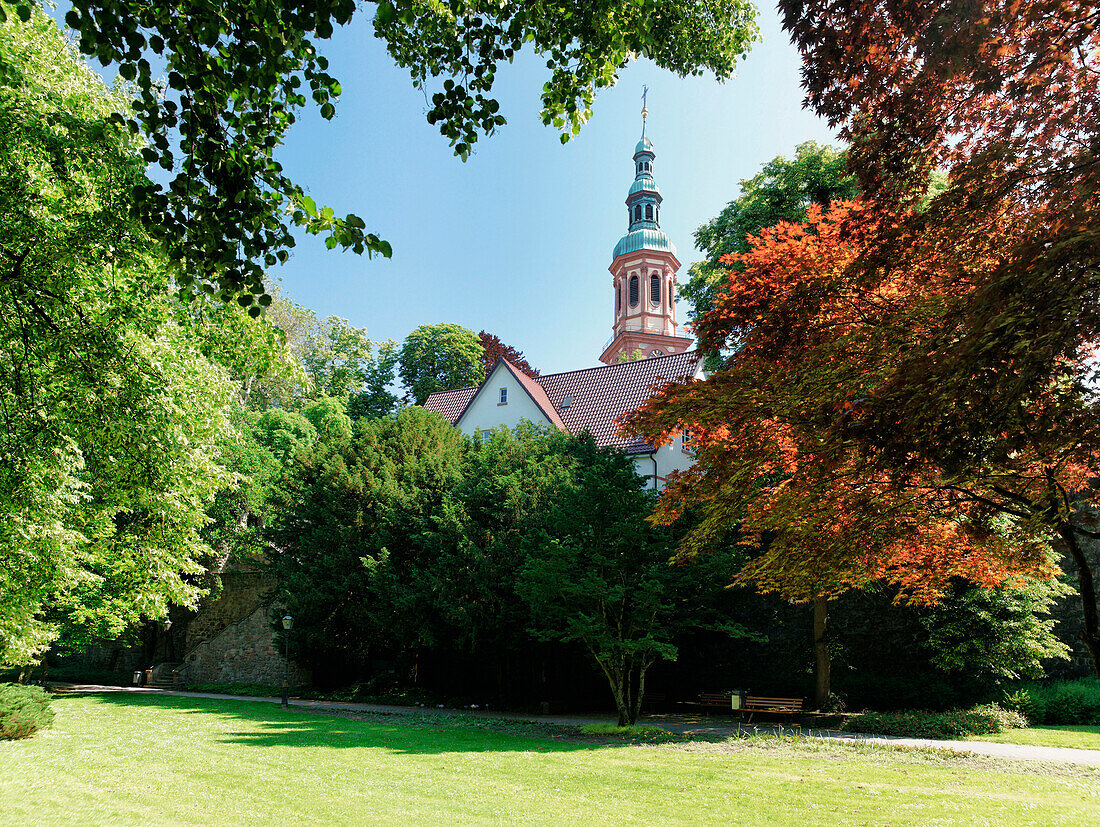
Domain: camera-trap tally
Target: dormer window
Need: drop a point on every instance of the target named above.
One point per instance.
(566, 402)
(503, 396)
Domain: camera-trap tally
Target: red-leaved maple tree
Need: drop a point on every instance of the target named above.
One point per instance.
(912, 396)
(494, 350)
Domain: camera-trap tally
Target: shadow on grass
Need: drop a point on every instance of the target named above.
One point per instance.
(421, 734)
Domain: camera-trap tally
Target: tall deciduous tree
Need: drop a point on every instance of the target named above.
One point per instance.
(995, 389)
(595, 573)
(109, 417)
(493, 350)
(239, 71)
(440, 357)
(782, 191)
(777, 431)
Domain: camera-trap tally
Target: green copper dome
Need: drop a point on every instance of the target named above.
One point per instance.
(644, 145)
(643, 185)
(645, 239)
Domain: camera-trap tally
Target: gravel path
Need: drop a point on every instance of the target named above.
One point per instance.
(702, 724)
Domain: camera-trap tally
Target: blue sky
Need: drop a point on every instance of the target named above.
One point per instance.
(517, 240)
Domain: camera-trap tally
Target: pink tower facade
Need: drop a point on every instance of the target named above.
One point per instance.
(643, 273)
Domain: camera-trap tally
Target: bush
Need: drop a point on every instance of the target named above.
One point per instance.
(258, 690)
(1061, 702)
(648, 734)
(23, 711)
(958, 723)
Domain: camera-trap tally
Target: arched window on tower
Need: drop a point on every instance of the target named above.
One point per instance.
(638, 212)
(618, 301)
(655, 289)
(633, 291)
(657, 214)
(648, 212)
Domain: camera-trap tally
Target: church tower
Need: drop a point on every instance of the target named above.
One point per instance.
(643, 271)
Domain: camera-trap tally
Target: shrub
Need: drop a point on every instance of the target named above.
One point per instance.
(958, 723)
(649, 734)
(1061, 702)
(258, 690)
(23, 711)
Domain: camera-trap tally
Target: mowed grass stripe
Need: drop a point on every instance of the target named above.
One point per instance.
(163, 760)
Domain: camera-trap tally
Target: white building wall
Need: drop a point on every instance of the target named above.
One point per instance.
(485, 412)
(669, 458)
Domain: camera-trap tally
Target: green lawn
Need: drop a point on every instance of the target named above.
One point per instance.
(1076, 737)
(172, 760)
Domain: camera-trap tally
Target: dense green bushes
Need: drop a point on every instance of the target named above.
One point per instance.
(1063, 702)
(23, 711)
(988, 719)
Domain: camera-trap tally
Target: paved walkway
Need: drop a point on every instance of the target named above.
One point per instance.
(700, 724)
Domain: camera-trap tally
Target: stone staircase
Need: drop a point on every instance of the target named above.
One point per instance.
(165, 676)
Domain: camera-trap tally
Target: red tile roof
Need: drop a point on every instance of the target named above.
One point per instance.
(537, 392)
(598, 396)
(450, 403)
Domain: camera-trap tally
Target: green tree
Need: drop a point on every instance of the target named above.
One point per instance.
(597, 573)
(782, 191)
(254, 352)
(239, 71)
(110, 418)
(995, 635)
(440, 357)
(284, 433)
(341, 360)
(355, 554)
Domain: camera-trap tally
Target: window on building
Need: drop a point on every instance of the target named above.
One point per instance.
(618, 301)
(503, 396)
(638, 212)
(656, 353)
(648, 212)
(657, 214)
(633, 291)
(567, 402)
(655, 289)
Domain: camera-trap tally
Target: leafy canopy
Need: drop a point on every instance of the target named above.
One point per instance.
(110, 418)
(440, 357)
(239, 71)
(782, 191)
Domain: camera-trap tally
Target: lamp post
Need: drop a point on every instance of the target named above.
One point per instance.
(288, 624)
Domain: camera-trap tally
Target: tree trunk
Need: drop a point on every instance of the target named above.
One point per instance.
(639, 692)
(822, 663)
(1087, 588)
(619, 679)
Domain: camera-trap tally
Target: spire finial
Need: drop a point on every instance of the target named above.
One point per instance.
(645, 91)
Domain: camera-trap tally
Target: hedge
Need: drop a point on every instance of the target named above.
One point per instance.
(988, 719)
(23, 710)
(1060, 702)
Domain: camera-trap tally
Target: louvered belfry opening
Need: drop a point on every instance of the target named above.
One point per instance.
(655, 289)
(633, 291)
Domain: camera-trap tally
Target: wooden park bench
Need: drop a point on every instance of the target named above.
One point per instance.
(776, 706)
(714, 700)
